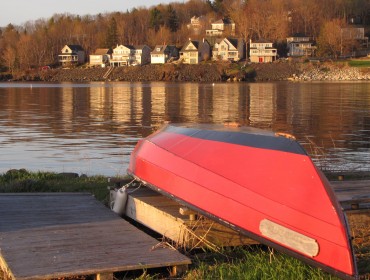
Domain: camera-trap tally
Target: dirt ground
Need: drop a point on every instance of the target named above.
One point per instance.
(359, 223)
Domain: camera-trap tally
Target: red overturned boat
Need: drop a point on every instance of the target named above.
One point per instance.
(260, 183)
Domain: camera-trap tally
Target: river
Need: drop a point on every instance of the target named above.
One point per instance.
(92, 128)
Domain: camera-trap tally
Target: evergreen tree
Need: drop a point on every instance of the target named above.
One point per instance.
(172, 20)
(112, 35)
(216, 5)
(156, 19)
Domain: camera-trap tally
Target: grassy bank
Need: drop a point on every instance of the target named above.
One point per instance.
(21, 180)
(256, 262)
(359, 63)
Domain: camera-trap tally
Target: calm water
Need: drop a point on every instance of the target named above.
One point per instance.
(92, 128)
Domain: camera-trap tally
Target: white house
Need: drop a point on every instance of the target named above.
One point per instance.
(194, 52)
(127, 55)
(141, 55)
(229, 49)
(355, 34)
(72, 55)
(122, 55)
(163, 53)
(196, 24)
(262, 51)
(221, 27)
(300, 45)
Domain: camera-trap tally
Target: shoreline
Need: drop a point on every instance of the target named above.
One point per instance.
(205, 72)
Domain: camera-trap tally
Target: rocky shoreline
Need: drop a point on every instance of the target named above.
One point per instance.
(330, 72)
(208, 72)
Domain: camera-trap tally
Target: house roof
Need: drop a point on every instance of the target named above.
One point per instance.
(224, 21)
(299, 38)
(159, 49)
(299, 35)
(102, 51)
(195, 44)
(75, 47)
(261, 41)
(139, 47)
(233, 41)
(310, 42)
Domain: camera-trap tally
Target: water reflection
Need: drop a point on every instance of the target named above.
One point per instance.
(92, 128)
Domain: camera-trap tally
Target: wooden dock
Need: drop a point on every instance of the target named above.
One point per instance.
(55, 235)
(179, 224)
(352, 195)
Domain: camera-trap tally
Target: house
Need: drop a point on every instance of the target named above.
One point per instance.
(141, 55)
(194, 52)
(221, 27)
(196, 24)
(229, 49)
(71, 55)
(355, 34)
(101, 57)
(122, 55)
(300, 45)
(262, 51)
(127, 55)
(164, 53)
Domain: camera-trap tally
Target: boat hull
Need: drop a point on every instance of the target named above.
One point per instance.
(263, 185)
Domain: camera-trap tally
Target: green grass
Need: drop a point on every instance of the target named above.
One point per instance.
(359, 63)
(252, 263)
(21, 180)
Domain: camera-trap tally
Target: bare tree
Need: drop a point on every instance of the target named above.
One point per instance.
(330, 39)
(10, 58)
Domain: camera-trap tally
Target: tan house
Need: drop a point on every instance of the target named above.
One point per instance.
(300, 45)
(229, 49)
(221, 27)
(101, 57)
(164, 53)
(262, 51)
(194, 52)
(72, 55)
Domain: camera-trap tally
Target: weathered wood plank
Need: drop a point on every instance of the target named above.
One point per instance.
(352, 194)
(162, 215)
(348, 189)
(104, 276)
(50, 236)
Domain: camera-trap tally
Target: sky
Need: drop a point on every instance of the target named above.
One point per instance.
(18, 12)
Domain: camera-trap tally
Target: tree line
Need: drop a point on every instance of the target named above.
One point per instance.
(39, 42)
